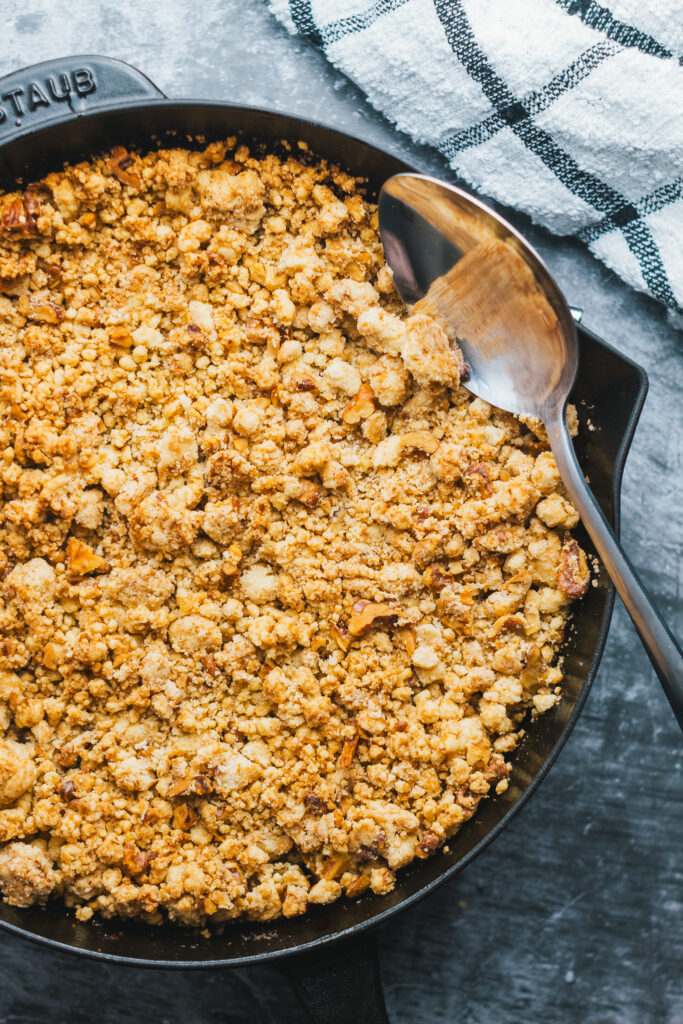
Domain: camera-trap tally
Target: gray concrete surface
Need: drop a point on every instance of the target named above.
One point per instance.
(575, 915)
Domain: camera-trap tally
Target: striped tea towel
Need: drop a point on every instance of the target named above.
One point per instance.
(570, 110)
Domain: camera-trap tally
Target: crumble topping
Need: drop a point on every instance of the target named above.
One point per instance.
(278, 594)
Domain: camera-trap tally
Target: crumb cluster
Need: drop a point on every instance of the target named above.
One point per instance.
(277, 592)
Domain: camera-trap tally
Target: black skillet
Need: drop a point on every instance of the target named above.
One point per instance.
(70, 109)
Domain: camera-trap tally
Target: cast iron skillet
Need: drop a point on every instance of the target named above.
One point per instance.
(73, 108)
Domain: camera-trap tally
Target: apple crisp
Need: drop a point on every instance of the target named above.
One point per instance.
(278, 594)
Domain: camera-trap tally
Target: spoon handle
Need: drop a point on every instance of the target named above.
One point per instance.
(665, 654)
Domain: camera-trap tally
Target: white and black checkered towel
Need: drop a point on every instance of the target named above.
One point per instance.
(569, 110)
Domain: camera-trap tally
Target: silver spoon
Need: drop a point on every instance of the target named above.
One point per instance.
(456, 259)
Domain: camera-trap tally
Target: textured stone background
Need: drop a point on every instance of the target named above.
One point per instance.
(575, 915)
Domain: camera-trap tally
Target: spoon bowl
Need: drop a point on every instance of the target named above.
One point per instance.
(457, 260)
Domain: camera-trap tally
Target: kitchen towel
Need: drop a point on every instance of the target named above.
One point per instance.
(569, 110)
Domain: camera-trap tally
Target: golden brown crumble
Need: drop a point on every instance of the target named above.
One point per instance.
(277, 592)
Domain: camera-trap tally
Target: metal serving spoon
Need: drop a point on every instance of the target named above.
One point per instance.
(456, 259)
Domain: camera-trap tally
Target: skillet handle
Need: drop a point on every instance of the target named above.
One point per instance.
(341, 983)
(66, 86)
